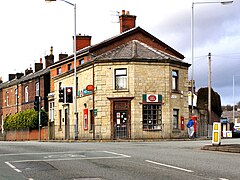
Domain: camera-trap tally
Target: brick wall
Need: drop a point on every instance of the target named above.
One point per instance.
(26, 135)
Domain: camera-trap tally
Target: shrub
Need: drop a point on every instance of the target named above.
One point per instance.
(25, 119)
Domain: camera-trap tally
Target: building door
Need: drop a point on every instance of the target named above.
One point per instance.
(121, 125)
(67, 128)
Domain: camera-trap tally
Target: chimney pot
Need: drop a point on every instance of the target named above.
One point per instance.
(123, 12)
(127, 21)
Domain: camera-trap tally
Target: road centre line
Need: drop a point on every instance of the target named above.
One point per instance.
(117, 154)
(13, 167)
(170, 166)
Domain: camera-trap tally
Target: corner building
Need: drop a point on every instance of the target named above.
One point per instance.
(139, 89)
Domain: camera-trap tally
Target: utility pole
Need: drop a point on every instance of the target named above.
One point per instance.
(209, 91)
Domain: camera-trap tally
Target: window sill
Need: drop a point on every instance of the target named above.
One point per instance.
(151, 129)
(120, 90)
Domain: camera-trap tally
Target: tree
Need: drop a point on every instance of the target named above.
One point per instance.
(202, 101)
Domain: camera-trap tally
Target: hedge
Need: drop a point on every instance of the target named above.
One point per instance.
(25, 119)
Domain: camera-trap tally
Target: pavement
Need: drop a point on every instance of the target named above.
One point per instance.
(231, 148)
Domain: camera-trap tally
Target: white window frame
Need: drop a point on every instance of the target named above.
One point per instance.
(26, 93)
(16, 96)
(37, 89)
(59, 70)
(175, 79)
(120, 75)
(7, 98)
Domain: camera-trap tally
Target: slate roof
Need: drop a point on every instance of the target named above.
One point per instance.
(113, 39)
(136, 50)
(25, 78)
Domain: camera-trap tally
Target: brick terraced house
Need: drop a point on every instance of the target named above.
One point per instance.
(18, 93)
(130, 86)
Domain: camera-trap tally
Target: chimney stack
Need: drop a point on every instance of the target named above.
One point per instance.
(62, 56)
(11, 77)
(127, 21)
(1, 79)
(19, 75)
(49, 60)
(28, 71)
(82, 41)
(38, 66)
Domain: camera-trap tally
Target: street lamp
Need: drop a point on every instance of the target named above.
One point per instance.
(192, 41)
(75, 71)
(234, 96)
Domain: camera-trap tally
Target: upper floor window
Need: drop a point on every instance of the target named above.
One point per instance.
(81, 61)
(26, 94)
(37, 89)
(7, 99)
(175, 118)
(120, 79)
(69, 66)
(59, 71)
(174, 80)
(16, 96)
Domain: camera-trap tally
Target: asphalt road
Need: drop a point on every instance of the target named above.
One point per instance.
(183, 160)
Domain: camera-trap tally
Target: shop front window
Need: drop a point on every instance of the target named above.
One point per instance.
(152, 117)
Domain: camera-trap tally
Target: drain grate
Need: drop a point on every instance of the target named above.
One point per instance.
(34, 165)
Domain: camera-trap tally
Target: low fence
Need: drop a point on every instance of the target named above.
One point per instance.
(26, 134)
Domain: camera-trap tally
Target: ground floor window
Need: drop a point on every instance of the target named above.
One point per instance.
(152, 116)
(175, 118)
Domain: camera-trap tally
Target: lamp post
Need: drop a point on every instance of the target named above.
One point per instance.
(75, 71)
(192, 41)
(234, 96)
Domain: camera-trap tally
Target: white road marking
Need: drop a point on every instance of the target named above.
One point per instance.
(117, 154)
(64, 155)
(223, 179)
(13, 167)
(170, 166)
(71, 159)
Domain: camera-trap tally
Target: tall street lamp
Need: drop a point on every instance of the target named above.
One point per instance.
(234, 96)
(75, 71)
(192, 41)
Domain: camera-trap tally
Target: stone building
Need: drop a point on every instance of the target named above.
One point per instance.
(131, 86)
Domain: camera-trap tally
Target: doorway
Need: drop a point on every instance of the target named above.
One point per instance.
(121, 125)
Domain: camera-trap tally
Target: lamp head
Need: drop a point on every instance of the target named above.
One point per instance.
(226, 2)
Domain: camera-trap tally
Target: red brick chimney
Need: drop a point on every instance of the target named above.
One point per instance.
(127, 21)
(82, 41)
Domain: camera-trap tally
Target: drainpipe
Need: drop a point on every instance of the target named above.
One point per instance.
(93, 95)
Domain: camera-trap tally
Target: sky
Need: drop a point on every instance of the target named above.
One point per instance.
(30, 27)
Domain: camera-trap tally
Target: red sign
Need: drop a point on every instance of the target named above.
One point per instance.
(152, 98)
(90, 88)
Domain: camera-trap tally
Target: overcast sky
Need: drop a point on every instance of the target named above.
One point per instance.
(30, 27)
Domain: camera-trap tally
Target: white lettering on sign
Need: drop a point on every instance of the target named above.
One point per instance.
(152, 98)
